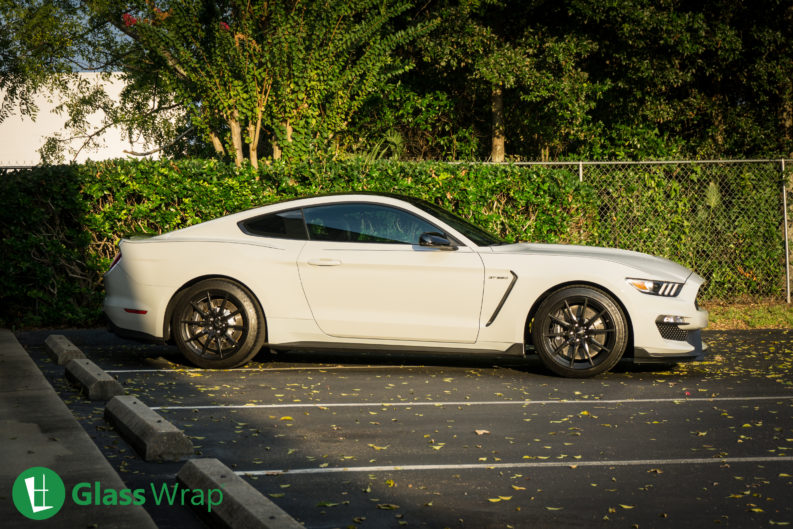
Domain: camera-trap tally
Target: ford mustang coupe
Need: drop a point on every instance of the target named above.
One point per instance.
(379, 271)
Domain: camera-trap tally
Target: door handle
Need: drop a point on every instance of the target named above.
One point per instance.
(324, 262)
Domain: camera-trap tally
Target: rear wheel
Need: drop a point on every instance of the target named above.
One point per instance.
(217, 324)
(579, 332)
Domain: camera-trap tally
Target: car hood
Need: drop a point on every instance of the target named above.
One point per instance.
(648, 266)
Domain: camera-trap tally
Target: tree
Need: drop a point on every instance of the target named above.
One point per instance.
(532, 79)
(625, 79)
(35, 46)
(508, 51)
(296, 70)
(708, 78)
(757, 89)
(238, 70)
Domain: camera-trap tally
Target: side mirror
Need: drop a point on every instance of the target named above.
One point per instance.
(437, 240)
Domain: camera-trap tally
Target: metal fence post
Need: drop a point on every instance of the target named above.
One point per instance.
(787, 234)
(580, 171)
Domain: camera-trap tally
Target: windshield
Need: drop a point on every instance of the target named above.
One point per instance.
(479, 236)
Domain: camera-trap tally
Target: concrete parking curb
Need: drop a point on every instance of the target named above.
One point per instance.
(96, 384)
(61, 349)
(147, 431)
(243, 506)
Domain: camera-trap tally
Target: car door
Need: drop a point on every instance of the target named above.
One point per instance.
(365, 276)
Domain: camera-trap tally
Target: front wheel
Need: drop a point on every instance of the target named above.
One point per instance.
(579, 332)
(218, 325)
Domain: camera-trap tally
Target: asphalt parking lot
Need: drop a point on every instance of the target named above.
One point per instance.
(374, 440)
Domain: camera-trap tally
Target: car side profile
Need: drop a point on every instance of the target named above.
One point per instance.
(379, 271)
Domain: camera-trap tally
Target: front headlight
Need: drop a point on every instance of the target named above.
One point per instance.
(656, 288)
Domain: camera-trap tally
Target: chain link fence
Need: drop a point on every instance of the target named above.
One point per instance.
(726, 219)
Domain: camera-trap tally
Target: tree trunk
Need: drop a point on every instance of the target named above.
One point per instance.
(277, 151)
(497, 110)
(253, 146)
(217, 144)
(236, 139)
(289, 131)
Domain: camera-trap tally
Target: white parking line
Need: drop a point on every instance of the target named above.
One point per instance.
(523, 464)
(262, 369)
(471, 403)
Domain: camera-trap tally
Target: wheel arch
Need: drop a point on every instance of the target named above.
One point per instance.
(169, 309)
(530, 316)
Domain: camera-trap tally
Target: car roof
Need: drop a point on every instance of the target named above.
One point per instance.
(219, 227)
(352, 194)
(214, 225)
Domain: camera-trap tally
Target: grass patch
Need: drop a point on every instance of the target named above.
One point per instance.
(768, 315)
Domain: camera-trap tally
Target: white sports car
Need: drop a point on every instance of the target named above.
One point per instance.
(379, 271)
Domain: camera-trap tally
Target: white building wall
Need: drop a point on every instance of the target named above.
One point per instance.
(21, 137)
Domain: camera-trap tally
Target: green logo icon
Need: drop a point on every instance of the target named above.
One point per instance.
(39, 493)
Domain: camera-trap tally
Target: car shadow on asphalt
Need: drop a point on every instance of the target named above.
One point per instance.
(121, 353)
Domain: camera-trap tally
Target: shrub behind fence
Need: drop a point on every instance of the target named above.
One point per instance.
(723, 219)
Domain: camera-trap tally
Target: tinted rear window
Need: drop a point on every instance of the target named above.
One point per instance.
(282, 225)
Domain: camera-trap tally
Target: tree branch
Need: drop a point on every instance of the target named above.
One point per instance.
(179, 137)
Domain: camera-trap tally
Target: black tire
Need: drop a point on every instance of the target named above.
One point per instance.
(579, 332)
(218, 324)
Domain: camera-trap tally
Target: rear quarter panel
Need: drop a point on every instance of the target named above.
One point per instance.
(159, 269)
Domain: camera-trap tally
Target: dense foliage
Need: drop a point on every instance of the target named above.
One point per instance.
(60, 225)
(245, 78)
(294, 71)
(606, 80)
(441, 79)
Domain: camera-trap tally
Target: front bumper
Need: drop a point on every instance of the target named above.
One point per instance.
(697, 352)
(669, 329)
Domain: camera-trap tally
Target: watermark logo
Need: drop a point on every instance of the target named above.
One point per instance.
(39, 493)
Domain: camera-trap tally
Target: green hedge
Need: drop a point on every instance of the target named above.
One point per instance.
(61, 225)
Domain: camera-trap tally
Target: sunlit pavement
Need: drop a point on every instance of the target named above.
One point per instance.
(369, 440)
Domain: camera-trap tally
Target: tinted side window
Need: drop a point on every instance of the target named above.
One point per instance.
(364, 223)
(283, 225)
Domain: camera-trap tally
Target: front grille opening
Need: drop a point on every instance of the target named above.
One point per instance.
(671, 331)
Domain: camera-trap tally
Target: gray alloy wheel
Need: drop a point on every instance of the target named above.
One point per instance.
(579, 332)
(217, 324)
